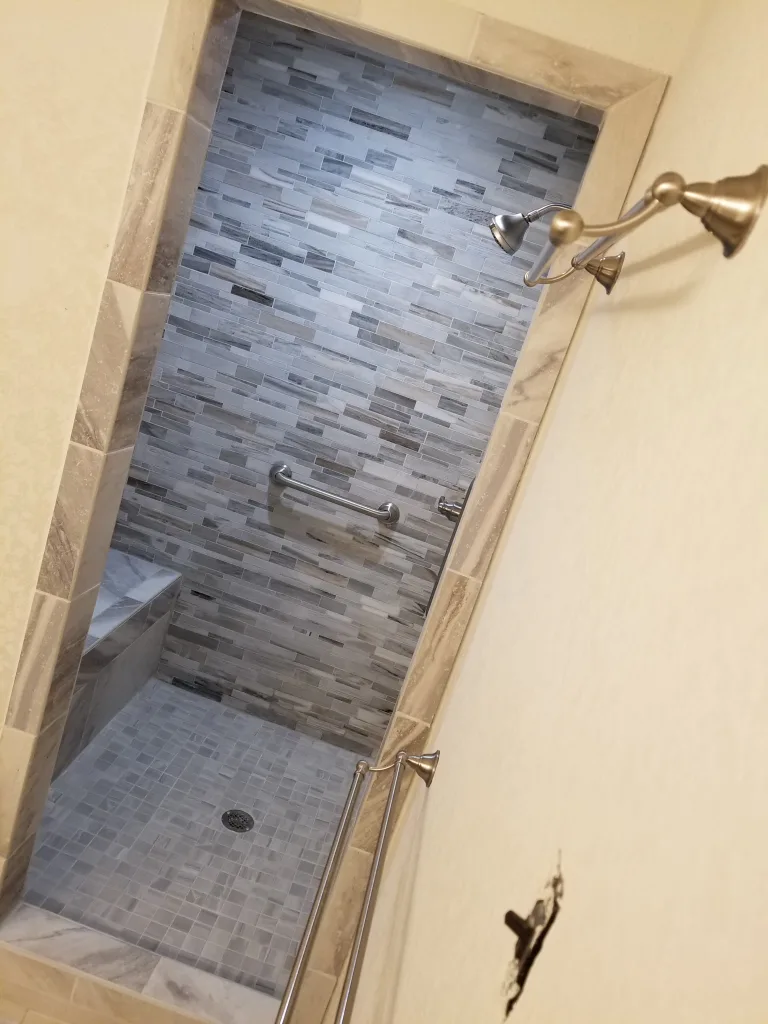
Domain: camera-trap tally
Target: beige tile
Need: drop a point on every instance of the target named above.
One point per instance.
(45, 1008)
(543, 353)
(490, 500)
(438, 645)
(145, 197)
(32, 681)
(49, 660)
(153, 313)
(107, 362)
(11, 1013)
(214, 58)
(340, 916)
(349, 10)
(554, 66)
(102, 519)
(29, 972)
(215, 999)
(24, 800)
(438, 24)
(124, 1006)
(68, 661)
(181, 42)
(13, 873)
(313, 998)
(69, 525)
(16, 749)
(178, 206)
(403, 734)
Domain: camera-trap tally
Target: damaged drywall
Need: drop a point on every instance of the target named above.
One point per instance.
(531, 931)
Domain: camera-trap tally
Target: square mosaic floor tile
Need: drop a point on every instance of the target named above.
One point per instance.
(132, 841)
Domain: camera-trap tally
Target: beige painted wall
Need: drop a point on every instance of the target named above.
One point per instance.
(611, 700)
(74, 82)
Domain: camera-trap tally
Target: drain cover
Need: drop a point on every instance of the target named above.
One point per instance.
(237, 821)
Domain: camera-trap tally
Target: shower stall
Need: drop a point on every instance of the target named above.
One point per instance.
(341, 332)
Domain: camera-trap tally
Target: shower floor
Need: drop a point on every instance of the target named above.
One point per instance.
(132, 841)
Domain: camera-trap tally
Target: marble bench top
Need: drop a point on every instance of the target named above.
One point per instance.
(127, 584)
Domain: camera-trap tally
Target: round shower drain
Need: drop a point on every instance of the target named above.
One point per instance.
(237, 821)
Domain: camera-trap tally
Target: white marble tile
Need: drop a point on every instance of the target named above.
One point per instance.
(215, 999)
(57, 938)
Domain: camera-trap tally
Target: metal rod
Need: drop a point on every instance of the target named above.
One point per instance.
(282, 475)
(288, 1003)
(425, 766)
(364, 922)
(642, 208)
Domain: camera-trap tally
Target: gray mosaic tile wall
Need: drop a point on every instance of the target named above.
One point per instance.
(341, 307)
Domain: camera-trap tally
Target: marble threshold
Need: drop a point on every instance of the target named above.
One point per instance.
(56, 938)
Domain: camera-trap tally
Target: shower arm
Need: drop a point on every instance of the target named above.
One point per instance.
(607, 235)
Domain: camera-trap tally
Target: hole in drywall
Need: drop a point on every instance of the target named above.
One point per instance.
(531, 931)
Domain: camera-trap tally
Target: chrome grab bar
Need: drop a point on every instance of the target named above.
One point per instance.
(425, 766)
(282, 475)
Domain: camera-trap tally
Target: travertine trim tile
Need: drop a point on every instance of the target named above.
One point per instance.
(432, 662)
(106, 502)
(540, 363)
(29, 694)
(145, 198)
(222, 27)
(556, 66)
(178, 205)
(176, 62)
(15, 753)
(44, 680)
(33, 973)
(124, 1006)
(332, 943)
(107, 361)
(13, 873)
(69, 525)
(27, 764)
(313, 998)
(153, 313)
(491, 499)
(403, 734)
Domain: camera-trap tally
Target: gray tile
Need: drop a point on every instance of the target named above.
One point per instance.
(132, 842)
(340, 306)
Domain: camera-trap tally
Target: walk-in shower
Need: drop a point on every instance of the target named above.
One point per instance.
(341, 333)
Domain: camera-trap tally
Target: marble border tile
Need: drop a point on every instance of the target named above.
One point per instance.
(54, 937)
(51, 938)
(209, 996)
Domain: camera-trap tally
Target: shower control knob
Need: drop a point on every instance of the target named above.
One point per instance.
(450, 509)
